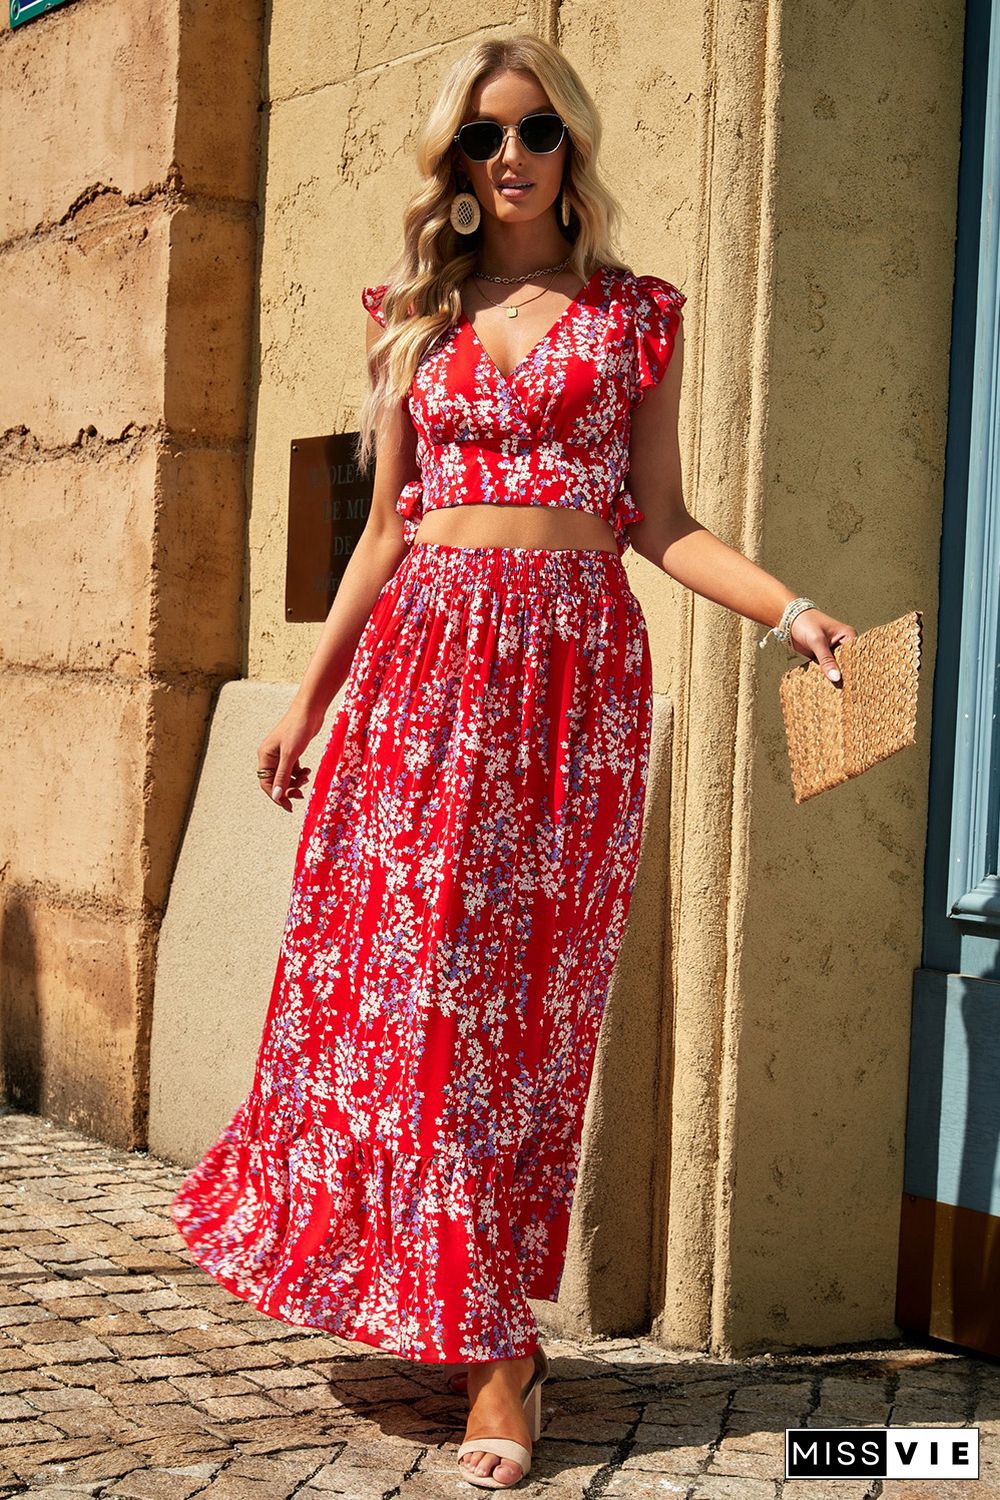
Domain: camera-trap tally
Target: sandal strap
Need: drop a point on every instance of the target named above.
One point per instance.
(502, 1447)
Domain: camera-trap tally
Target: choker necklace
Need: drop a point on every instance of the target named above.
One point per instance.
(526, 275)
(511, 308)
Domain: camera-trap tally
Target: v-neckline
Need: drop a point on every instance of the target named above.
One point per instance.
(570, 307)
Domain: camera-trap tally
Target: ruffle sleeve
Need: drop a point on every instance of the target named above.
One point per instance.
(656, 310)
(371, 297)
(410, 505)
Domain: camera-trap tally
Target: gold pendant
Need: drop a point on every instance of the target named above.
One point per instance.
(512, 312)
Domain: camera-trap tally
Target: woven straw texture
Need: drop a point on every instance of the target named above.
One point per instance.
(836, 731)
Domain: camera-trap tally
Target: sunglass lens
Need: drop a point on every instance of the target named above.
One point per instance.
(480, 139)
(541, 133)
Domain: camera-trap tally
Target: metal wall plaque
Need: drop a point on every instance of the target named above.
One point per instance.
(329, 498)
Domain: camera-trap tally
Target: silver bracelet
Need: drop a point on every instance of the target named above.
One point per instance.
(793, 608)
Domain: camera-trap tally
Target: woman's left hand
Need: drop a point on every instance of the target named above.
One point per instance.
(815, 634)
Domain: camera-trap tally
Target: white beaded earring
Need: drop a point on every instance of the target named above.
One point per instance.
(465, 213)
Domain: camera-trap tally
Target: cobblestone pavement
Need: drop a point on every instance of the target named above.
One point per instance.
(126, 1371)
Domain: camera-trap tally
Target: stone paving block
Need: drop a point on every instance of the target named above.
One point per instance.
(927, 1408)
(49, 1331)
(238, 1357)
(355, 1475)
(309, 1398)
(93, 1374)
(659, 1459)
(13, 1407)
(676, 1435)
(19, 1382)
(58, 1398)
(19, 1315)
(13, 1358)
(60, 1290)
(34, 1430)
(85, 1311)
(117, 1324)
(239, 1408)
(152, 1484)
(30, 1456)
(782, 1397)
(67, 1351)
(632, 1486)
(164, 1365)
(721, 1487)
(210, 1336)
(173, 1319)
(301, 1377)
(836, 1489)
(756, 1439)
(736, 1463)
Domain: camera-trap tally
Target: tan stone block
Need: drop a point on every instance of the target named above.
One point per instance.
(626, 1485)
(207, 356)
(216, 149)
(50, 1330)
(34, 1431)
(135, 1393)
(310, 1398)
(73, 1352)
(738, 1463)
(663, 1456)
(721, 1487)
(245, 1357)
(17, 1318)
(218, 1336)
(196, 1387)
(97, 337)
(25, 1458)
(100, 1323)
(80, 744)
(70, 973)
(154, 1484)
(59, 1399)
(89, 1373)
(198, 550)
(12, 1407)
(239, 1408)
(88, 1312)
(178, 715)
(163, 1365)
(834, 1489)
(75, 573)
(122, 151)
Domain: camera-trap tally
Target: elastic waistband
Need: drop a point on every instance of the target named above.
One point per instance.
(516, 567)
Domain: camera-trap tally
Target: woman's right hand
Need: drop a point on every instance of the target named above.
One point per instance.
(278, 754)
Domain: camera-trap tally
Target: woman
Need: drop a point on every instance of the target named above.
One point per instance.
(402, 1170)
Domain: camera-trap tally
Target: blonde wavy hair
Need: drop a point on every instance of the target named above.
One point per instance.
(436, 259)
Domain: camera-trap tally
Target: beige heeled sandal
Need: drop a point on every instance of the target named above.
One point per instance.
(531, 1399)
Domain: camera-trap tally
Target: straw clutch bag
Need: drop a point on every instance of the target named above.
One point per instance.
(837, 730)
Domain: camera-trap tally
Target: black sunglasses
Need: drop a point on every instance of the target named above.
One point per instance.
(539, 133)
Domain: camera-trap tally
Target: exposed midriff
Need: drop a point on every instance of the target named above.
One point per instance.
(516, 526)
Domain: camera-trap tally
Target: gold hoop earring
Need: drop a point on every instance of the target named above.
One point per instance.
(564, 208)
(465, 213)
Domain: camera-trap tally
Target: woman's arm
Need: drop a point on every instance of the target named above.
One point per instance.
(380, 550)
(672, 539)
(376, 557)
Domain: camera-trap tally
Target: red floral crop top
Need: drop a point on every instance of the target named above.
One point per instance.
(556, 432)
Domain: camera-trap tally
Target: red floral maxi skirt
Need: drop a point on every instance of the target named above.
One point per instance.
(402, 1170)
